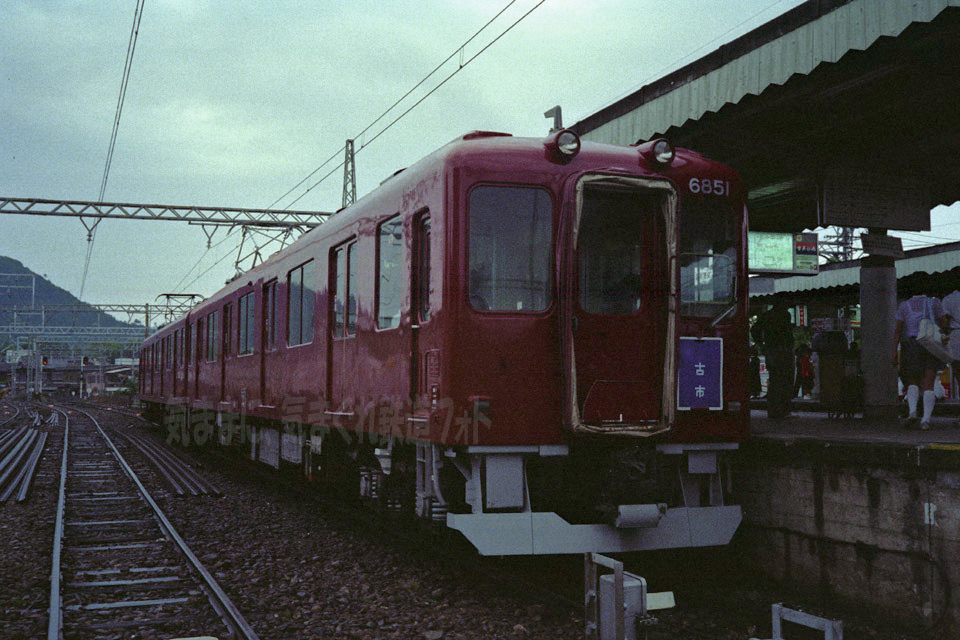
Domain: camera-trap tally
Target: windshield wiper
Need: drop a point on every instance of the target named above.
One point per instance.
(726, 312)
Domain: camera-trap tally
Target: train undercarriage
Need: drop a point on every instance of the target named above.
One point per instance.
(595, 493)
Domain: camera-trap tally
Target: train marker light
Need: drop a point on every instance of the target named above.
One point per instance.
(659, 152)
(562, 145)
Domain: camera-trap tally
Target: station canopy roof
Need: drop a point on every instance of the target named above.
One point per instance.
(852, 83)
(931, 270)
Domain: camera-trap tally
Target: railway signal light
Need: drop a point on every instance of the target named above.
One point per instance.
(44, 360)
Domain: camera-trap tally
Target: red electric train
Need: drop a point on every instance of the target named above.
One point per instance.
(541, 343)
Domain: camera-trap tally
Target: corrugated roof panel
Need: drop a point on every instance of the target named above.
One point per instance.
(931, 263)
(852, 26)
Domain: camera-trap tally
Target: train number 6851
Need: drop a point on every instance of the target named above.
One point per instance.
(709, 187)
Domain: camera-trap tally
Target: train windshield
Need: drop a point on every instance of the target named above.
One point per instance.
(612, 244)
(511, 231)
(708, 257)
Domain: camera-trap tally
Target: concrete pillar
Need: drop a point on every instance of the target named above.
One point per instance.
(878, 308)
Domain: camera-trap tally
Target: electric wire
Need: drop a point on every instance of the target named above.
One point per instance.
(208, 269)
(429, 93)
(391, 107)
(208, 249)
(128, 65)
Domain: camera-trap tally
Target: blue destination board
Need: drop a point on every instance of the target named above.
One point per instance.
(700, 374)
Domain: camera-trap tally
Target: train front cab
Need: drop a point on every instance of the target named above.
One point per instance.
(639, 294)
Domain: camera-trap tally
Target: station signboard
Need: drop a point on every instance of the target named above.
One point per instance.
(787, 253)
(877, 198)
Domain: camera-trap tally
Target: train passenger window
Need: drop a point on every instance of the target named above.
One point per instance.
(423, 270)
(245, 317)
(201, 336)
(227, 328)
(344, 266)
(708, 257)
(511, 244)
(352, 289)
(300, 295)
(270, 315)
(389, 273)
(187, 351)
(339, 260)
(213, 327)
(610, 249)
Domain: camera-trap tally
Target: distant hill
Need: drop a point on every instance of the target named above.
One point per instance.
(47, 293)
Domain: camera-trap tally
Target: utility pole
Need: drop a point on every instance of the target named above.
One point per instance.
(349, 175)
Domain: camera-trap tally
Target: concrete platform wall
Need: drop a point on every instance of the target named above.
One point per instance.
(871, 526)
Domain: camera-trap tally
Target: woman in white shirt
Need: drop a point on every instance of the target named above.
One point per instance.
(917, 365)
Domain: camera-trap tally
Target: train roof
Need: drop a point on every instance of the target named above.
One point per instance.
(470, 148)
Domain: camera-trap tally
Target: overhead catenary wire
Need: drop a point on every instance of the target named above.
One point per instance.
(128, 65)
(459, 68)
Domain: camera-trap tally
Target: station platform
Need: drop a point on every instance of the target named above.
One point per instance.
(856, 511)
(808, 422)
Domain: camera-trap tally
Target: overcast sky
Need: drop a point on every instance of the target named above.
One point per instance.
(233, 103)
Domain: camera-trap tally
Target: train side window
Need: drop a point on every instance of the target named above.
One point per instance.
(270, 315)
(301, 290)
(227, 329)
(245, 317)
(352, 289)
(511, 246)
(200, 337)
(213, 327)
(343, 277)
(187, 351)
(338, 277)
(423, 269)
(389, 273)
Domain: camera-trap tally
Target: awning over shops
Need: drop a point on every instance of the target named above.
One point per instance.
(913, 275)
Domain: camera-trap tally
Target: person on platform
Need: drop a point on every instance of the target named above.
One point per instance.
(803, 383)
(917, 366)
(774, 332)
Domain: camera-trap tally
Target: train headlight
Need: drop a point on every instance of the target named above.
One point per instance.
(659, 152)
(663, 151)
(568, 143)
(562, 146)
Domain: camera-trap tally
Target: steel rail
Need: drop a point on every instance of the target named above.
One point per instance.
(234, 618)
(31, 468)
(16, 412)
(55, 619)
(177, 465)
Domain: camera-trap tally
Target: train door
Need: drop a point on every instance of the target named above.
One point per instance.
(421, 356)
(342, 314)
(623, 234)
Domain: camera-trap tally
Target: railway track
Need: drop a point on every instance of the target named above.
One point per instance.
(119, 566)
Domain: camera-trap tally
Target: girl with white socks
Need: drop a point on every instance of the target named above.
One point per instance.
(917, 366)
